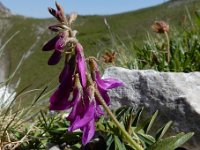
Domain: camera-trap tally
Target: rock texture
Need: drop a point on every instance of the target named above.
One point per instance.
(175, 95)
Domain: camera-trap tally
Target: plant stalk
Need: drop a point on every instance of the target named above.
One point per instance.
(124, 132)
(168, 47)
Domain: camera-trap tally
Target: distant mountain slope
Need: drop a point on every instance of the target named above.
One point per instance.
(4, 11)
(33, 34)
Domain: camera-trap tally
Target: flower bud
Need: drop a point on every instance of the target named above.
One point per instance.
(93, 64)
(57, 27)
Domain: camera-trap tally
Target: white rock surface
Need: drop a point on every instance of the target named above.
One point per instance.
(6, 96)
(175, 95)
(54, 148)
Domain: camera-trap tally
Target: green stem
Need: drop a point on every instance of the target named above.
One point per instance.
(168, 47)
(124, 132)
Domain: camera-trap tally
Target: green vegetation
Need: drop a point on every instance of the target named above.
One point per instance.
(184, 51)
(50, 129)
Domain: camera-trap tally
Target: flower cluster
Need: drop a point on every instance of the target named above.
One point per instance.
(77, 88)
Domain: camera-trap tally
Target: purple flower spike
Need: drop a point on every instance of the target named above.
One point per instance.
(80, 61)
(55, 58)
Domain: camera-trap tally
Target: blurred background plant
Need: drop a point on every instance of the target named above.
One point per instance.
(184, 50)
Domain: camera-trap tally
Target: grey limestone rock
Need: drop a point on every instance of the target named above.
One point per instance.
(175, 95)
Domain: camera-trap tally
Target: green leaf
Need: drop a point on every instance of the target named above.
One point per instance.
(76, 146)
(109, 142)
(172, 142)
(147, 139)
(58, 130)
(182, 139)
(121, 112)
(118, 144)
(137, 117)
(151, 122)
(160, 133)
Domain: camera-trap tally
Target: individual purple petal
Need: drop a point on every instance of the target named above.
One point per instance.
(112, 83)
(50, 45)
(60, 99)
(84, 118)
(108, 83)
(104, 94)
(80, 60)
(61, 42)
(64, 72)
(52, 11)
(59, 15)
(55, 58)
(75, 103)
(88, 132)
(68, 69)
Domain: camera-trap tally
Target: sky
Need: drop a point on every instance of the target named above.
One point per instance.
(38, 8)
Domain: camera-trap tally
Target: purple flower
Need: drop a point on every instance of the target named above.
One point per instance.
(55, 58)
(50, 45)
(80, 61)
(58, 43)
(62, 41)
(84, 113)
(60, 98)
(103, 85)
